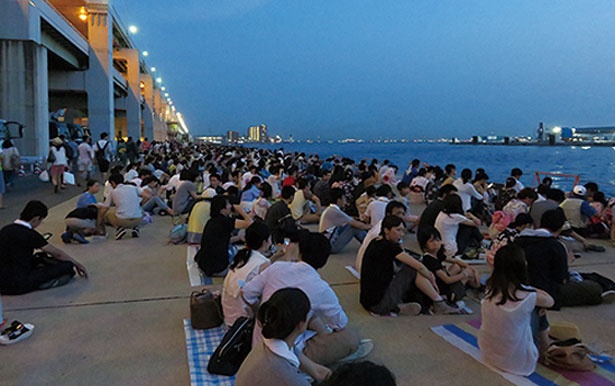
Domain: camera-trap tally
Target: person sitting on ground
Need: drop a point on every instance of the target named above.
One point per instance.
(251, 191)
(466, 190)
(364, 200)
(339, 227)
(329, 339)
(450, 171)
(300, 204)
(451, 280)
(363, 373)
(547, 263)
(394, 208)
(283, 318)
(247, 263)
(261, 205)
(22, 271)
(578, 211)
(214, 255)
(508, 235)
(279, 217)
(403, 190)
(186, 195)
(376, 209)
(389, 275)
(86, 219)
(505, 194)
(520, 204)
(516, 173)
(322, 188)
(459, 231)
(214, 185)
(431, 212)
(127, 213)
(514, 330)
(599, 223)
(153, 201)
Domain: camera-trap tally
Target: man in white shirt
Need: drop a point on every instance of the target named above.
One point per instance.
(339, 227)
(516, 173)
(376, 208)
(127, 212)
(328, 338)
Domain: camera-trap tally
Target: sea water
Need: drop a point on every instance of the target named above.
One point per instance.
(595, 164)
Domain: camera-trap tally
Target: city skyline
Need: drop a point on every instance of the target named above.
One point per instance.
(415, 69)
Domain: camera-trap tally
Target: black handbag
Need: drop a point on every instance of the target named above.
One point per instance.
(233, 349)
(205, 310)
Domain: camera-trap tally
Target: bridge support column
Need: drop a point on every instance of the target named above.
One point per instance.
(23, 93)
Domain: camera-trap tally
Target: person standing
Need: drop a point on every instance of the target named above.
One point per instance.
(85, 160)
(10, 162)
(58, 161)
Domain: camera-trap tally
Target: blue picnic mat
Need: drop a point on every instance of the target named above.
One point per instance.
(201, 345)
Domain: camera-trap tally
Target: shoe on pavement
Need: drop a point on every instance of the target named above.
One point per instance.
(135, 232)
(608, 296)
(365, 347)
(409, 309)
(80, 239)
(16, 333)
(441, 308)
(119, 233)
(66, 237)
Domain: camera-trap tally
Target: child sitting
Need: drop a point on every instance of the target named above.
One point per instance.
(451, 280)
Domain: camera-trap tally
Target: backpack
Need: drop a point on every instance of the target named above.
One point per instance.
(178, 234)
(99, 155)
(233, 349)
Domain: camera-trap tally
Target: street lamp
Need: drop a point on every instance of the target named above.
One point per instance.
(133, 29)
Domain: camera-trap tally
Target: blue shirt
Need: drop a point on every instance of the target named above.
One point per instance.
(85, 200)
(251, 194)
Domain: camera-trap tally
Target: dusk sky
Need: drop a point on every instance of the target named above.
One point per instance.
(386, 68)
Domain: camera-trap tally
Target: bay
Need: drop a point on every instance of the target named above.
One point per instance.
(595, 164)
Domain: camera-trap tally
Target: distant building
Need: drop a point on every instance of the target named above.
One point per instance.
(588, 134)
(258, 133)
(232, 137)
(216, 139)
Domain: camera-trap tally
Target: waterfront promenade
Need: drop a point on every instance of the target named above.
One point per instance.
(123, 325)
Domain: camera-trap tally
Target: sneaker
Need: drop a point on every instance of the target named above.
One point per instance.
(119, 233)
(80, 239)
(409, 309)
(66, 237)
(365, 347)
(135, 232)
(15, 333)
(608, 296)
(441, 308)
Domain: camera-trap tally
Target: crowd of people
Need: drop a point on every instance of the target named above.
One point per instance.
(250, 210)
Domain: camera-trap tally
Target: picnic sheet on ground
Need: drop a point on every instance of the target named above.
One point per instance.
(201, 345)
(464, 337)
(196, 276)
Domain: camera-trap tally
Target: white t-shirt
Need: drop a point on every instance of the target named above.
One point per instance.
(505, 336)
(466, 192)
(233, 305)
(376, 210)
(448, 225)
(127, 200)
(333, 217)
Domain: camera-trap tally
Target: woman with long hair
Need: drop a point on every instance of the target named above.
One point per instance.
(449, 223)
(246, 264)
(514, 323)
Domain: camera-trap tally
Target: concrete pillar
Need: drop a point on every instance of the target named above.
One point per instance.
(133, 99)
(148, 106)
(23, 93)
(99, 77)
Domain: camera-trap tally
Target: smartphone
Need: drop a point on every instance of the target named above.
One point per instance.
(286, 241)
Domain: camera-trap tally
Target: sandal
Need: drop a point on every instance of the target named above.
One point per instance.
(16, 332)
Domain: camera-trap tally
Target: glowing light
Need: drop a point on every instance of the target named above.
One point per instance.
(166, 94)
(145, 53)
(83, 14)
(153, 69)
(159, 80)
(557, 130)
(163, 88)
(133, 29)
